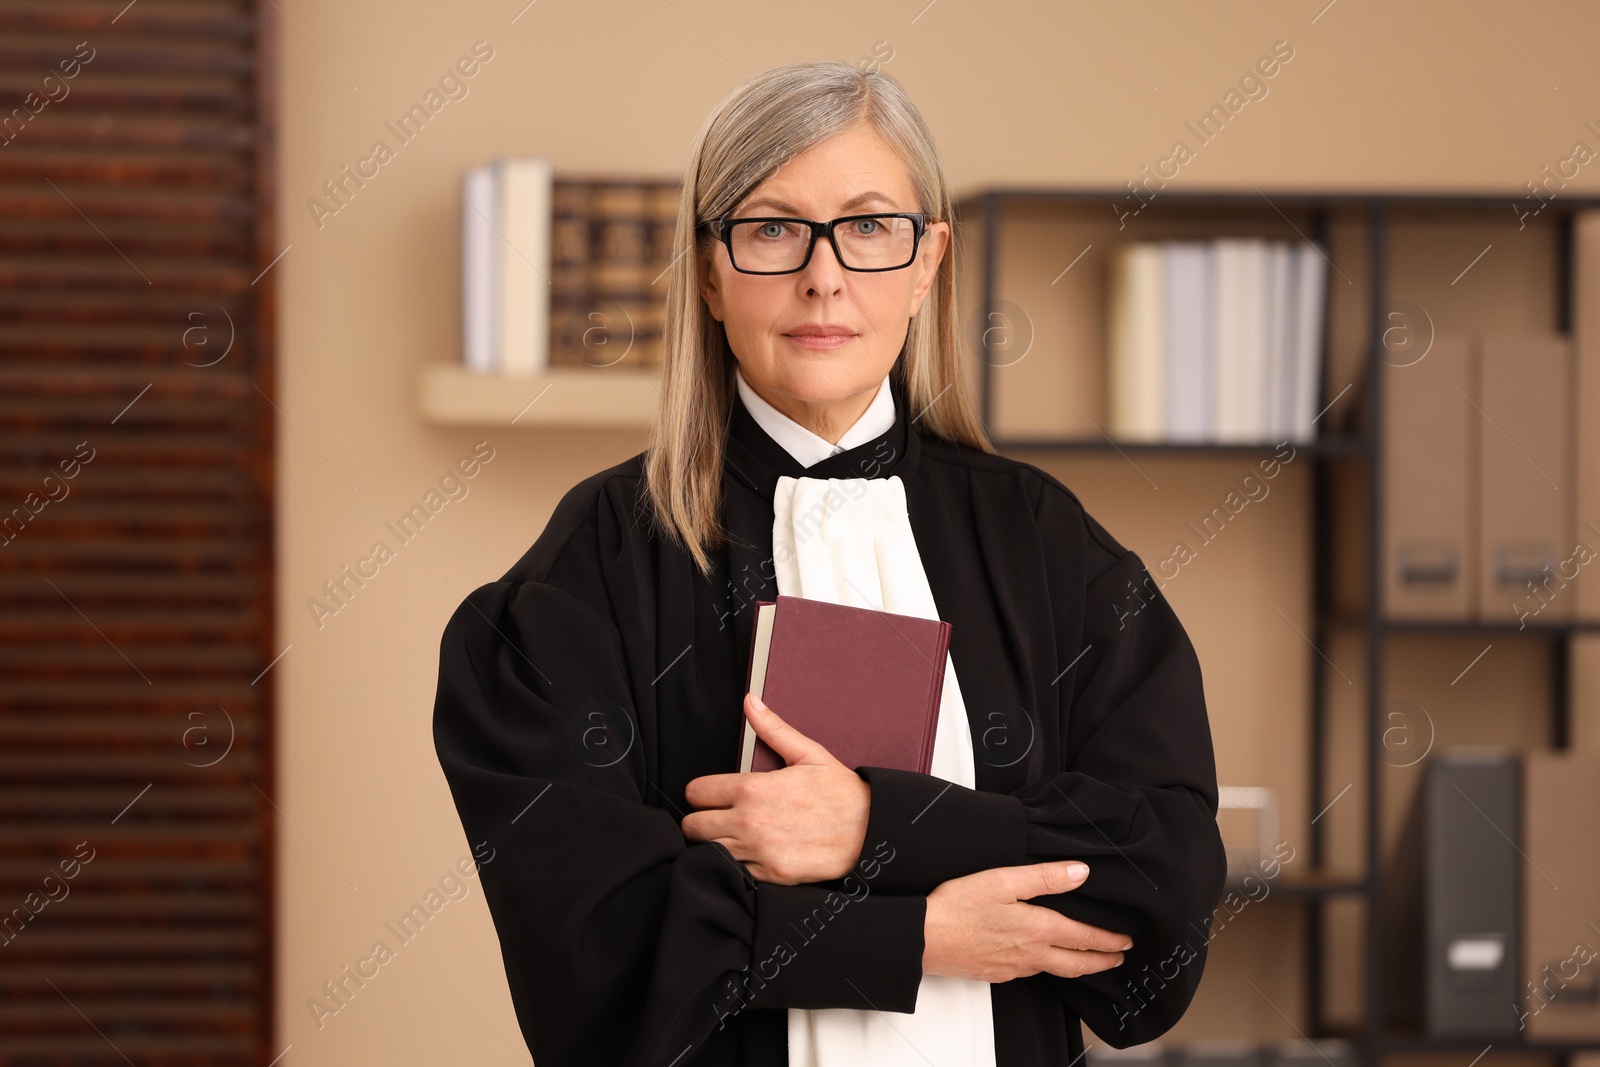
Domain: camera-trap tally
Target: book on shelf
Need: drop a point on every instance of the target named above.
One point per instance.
(562, 271)
(613, 309)
(524, 305)
(1191, 387)
(479, 243)
(505, 266)
(1215, 341)
(1137, 402)
(865, 684)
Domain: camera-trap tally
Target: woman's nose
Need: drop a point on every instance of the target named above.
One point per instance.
(824, 273)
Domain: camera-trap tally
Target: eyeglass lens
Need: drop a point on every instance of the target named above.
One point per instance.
(873, 242)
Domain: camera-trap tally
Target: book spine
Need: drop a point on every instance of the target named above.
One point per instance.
(479, 273)
(1309, 340)
(1149, 392)
(1288, 354)
(1121, 333)
(622, 292)
(930, 733)
(525, 191)
(570, 256)
(746, 738)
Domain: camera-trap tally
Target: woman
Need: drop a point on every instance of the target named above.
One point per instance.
(815, 438)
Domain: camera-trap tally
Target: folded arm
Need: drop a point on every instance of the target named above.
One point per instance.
(622, 942)
(1136, 798)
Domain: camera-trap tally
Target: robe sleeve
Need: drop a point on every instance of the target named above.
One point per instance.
(1136, 798)
(622, 941)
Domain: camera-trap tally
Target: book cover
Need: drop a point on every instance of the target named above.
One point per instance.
(865, 684)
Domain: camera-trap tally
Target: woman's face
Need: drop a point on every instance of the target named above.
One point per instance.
(824, 384)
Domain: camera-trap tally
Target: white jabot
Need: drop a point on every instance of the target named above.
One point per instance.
(800, 442)
(849, 541)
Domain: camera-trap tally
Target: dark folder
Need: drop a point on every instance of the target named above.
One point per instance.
(1459, 867)
(864, 683)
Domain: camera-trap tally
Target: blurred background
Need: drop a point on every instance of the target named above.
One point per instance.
(237, 345)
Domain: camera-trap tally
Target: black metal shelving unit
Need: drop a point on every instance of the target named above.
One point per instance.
(1375, 1038)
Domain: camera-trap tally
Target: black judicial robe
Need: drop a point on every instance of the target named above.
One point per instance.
(581, 692)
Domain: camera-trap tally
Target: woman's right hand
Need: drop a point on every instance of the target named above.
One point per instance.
(978, 927)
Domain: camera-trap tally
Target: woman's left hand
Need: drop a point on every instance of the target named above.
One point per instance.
(805, 822)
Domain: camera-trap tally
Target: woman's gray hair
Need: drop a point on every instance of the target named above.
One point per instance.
(759, 125)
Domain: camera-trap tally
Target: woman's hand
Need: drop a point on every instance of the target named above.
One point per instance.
(805, 822)
(979, 927)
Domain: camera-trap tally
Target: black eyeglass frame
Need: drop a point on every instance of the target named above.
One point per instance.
(719, 229)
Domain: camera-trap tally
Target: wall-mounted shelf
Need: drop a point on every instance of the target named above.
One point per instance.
(447, 394)
(1470, 627)
(1330, 447)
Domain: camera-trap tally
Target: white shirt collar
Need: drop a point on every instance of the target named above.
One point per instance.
(800, 442)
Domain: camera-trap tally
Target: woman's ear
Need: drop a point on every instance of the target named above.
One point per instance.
(704, 275)
(929, 256)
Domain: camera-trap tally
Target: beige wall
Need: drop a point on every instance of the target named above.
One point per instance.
(1429, 97)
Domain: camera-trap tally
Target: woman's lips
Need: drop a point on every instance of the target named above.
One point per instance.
(820, 341)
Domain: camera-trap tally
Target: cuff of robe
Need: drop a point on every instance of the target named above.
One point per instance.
(923, 830)
(818, 947)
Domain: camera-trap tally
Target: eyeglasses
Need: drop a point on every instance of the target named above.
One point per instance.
(776, 245)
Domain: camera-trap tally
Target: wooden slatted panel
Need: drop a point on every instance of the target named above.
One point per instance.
(135, 596)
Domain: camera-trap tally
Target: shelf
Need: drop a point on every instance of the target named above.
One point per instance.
(1446, 627)
(1392, 1040)
(1335, 446)
(1318, 884)
(1299, 198)
(1382, 244)
(447, 394)
(1467, 626)
(1302, 884)
(1422, 1043)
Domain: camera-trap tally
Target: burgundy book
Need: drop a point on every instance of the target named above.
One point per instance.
(864, 683)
